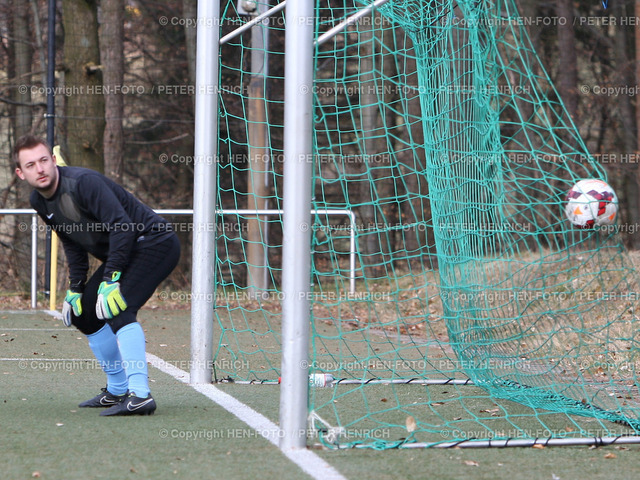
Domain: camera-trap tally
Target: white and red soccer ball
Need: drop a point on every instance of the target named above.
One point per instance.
(591, 203)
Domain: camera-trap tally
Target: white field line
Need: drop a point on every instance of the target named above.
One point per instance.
(308, 461)
(43, 329)
(53, 364)
(30, 312)
(43, 359)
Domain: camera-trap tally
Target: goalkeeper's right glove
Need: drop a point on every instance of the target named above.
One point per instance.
(110, 300)
(72, 303)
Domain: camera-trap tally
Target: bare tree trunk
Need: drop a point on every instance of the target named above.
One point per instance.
(568, 69)
(259, 155)
(22, 61)
(112, 56)
(85, 107)
(628, 140)
(190, 10)
(418, 209)
(412, 211)
(637, 82)
(374, 239)
(22, 57)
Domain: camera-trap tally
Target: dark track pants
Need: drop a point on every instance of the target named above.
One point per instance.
(147, 268)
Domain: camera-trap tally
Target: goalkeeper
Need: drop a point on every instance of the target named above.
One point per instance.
(138, 250)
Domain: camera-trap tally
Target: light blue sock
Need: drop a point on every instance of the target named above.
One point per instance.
(104, 345)
(132, 348)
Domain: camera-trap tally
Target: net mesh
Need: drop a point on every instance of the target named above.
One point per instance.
(451, 298)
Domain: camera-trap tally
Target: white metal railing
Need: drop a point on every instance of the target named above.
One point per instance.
(265, 212)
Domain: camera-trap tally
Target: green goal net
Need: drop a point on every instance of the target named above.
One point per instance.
(452, 300)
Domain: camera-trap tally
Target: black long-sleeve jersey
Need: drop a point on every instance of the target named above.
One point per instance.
(94, 215)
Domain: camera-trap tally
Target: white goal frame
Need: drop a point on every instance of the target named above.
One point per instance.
(297, 202)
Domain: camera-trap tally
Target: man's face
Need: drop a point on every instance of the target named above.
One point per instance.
(38, 168)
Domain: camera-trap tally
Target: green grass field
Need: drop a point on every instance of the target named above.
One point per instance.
(46, 370)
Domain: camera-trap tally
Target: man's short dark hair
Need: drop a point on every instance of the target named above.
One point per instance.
(26, 142)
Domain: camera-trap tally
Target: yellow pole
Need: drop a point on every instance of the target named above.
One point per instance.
(53, 279)
(53, 284)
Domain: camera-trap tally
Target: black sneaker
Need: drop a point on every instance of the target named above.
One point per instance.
(132, 405)
(104, 399)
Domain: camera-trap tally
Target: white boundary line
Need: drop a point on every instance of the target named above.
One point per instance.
(43, 359)
(52, 329)
(25, 312)
(308, 461)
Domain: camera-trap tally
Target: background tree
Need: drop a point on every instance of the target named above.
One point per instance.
(83, 125)
(112, 56)
(20, 69)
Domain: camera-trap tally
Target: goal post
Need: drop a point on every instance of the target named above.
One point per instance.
(296, 248)
(204, 192)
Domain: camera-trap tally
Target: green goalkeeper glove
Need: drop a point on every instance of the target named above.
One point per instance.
(110, 300)
(72, 303)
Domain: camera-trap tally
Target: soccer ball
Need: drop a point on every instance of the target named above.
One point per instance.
(591, 203)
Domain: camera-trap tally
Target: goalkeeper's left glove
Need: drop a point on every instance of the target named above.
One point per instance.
(72, 303)
(110, 300)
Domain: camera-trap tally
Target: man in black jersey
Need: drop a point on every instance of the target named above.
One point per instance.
(138, 249)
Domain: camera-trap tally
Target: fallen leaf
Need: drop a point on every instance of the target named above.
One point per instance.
(411, 424)
(471, 463)
(537, 445)
(610, 455)
(36, 475)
